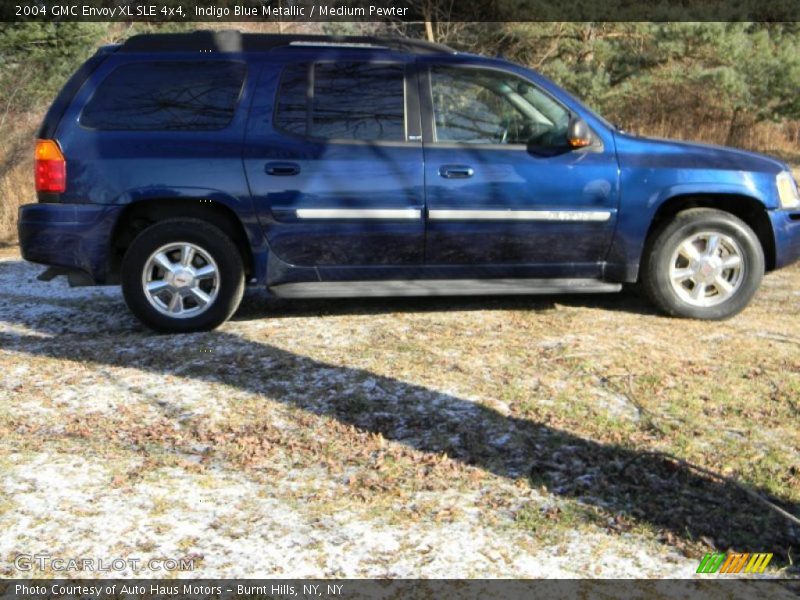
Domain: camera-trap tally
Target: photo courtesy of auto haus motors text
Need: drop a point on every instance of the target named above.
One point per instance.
(174, 589)
(78, 589)
(404, 299)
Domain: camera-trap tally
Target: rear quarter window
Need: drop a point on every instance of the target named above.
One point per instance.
(343, 101)
(183, 96)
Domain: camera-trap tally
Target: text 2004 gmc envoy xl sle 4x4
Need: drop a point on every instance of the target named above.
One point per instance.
(186, 165)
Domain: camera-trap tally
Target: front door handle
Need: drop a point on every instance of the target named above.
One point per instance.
(281, 169)
(456, 171)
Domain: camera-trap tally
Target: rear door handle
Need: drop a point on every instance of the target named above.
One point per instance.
(456, 171)
(281, 169)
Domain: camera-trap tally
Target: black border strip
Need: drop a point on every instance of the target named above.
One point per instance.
(398, 10)
(708, 587)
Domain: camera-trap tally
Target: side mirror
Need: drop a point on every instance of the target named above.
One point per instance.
(578, 133)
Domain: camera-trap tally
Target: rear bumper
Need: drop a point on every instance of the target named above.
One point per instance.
(73, 236)
(786, 227)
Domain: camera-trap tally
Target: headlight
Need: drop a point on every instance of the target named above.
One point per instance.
(787, 190)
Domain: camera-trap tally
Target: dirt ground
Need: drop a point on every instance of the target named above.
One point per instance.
(491, 437)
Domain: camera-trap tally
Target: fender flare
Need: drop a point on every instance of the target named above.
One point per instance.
(708, 189)
(242, 209)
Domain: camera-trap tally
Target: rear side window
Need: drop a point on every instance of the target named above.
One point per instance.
(193, 95)
(343, 101)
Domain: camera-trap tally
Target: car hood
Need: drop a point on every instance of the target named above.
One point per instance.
(674, 153)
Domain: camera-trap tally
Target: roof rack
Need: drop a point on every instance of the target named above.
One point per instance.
(235, 41)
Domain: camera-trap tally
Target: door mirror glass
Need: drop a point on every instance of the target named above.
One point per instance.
(578, 133)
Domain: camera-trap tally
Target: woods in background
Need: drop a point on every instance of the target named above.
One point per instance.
(727, 83)
(715, 81)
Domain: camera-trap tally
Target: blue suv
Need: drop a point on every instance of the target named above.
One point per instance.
(185, 166)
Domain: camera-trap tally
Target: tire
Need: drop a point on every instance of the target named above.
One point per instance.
(182, 275)
(703, 264)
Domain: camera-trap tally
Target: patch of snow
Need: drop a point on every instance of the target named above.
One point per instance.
(616, 405)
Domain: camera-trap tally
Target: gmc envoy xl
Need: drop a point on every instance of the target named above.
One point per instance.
(186, 166)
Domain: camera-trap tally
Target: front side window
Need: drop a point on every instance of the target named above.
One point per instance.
(197, 95)
(342, 101)
(481, 106)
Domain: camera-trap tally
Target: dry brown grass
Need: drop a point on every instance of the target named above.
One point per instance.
(16, 169)
(16, 189)
(538, 413)
(777, 139)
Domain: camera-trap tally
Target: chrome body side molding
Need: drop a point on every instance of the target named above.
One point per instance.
(519, 215)
(597, 216)
(391, 214)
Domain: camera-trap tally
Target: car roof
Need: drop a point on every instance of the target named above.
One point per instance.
(235, 41)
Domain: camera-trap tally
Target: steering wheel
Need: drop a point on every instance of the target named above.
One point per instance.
(540, 134)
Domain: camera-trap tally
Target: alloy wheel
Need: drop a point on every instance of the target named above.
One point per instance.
(707, 268)
(180, 280)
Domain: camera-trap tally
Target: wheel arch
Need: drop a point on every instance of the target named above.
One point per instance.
(140, 214)
(747, 208)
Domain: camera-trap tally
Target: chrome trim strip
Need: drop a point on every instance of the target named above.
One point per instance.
(337, 44)
(358, 213)
(519, 215)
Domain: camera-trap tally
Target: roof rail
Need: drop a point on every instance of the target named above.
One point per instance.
(234, 41)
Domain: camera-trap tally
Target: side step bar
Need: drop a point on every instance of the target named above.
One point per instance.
(441, 287)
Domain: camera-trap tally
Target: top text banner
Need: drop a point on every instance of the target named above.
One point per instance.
(398, 10)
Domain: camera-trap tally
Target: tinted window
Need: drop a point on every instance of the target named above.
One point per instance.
(166, 95)
(293, 100)
(348, 100)
(480, 106)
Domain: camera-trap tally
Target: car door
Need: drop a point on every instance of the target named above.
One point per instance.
(501, 187)
(335, 163)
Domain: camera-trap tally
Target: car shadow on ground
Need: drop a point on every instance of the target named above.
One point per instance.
(624, 486)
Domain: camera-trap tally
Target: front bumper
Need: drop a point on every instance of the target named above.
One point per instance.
(786, 228)
(76, 237)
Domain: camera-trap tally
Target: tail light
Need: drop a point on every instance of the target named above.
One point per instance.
(50, 167)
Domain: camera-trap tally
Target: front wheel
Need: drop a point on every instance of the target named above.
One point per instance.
(182, 275)
(704, 264)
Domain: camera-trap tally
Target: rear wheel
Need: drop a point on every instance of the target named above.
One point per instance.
(704, 264)
(182, 275)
